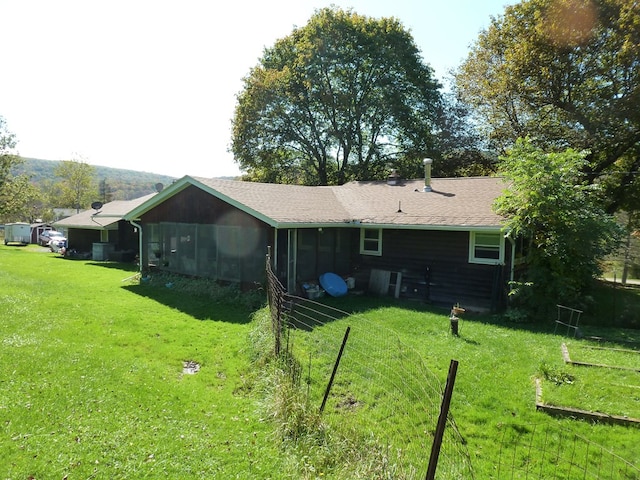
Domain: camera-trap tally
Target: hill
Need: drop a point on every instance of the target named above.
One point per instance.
(124, 184)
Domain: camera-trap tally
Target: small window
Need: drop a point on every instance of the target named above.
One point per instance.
(371, 241)
(486, 248)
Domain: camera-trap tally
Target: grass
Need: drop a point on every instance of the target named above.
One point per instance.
(495, 387)
(91, 382)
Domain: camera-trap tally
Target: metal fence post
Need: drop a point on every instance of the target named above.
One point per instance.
(335, 369)
(442, 420)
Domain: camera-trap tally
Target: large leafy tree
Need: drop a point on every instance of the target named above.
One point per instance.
(77, 186)
(16, 193)
(567, 74)
(461, 149)
(341, 98)
(8, 157)
(561, 218)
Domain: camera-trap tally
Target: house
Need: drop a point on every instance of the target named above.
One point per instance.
(440, 242)
(103, 231)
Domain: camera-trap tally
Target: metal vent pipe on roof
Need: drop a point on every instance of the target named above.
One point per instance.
(427, 174)
(393, 178)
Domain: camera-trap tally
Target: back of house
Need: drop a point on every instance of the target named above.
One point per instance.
(18, 232)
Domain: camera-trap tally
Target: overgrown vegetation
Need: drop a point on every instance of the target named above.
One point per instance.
(212, 290)
(495, 388)
(313, 448)
(555, 374)
(610, 386)
(562, 223)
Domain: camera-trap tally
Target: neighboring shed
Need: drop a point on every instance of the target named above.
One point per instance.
(445, 245)
(104, 232)
(37, 229)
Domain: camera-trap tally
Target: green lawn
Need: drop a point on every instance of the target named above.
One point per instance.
(495, 387)
(91, 380)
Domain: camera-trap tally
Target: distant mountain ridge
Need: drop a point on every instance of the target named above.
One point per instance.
(123, 184)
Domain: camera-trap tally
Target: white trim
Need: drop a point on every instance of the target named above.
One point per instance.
(363, 250)
(482, 260)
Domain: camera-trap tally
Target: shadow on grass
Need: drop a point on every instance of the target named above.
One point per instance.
(364, 304)
(125, 267)
(224, 308)
(199, 307)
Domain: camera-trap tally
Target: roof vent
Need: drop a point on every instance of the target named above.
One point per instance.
(393, 178)
(427, 175)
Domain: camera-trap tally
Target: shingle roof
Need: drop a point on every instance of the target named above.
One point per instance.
(283, 203)
(108, 215)
(464, 202)
(453, 202)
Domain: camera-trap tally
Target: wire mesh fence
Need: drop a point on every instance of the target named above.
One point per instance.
(545, 451)
(382, 388)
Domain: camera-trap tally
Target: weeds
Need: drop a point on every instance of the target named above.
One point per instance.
(313, 447)
(206, 287)
(556, 375)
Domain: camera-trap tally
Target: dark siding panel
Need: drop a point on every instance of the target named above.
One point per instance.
(323, 250)
(445, 256)
(82, 240)
(127, 238)
(193, 207)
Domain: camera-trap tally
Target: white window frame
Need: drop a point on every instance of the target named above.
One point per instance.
(486, 261)
(369, 251)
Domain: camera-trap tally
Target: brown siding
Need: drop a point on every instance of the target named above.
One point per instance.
(443, 256)
(194, 205)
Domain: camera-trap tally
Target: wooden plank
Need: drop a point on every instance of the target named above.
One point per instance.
(379, 281)
(584, 414)
(396, 284)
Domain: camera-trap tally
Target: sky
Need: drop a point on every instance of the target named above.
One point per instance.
(151, 85)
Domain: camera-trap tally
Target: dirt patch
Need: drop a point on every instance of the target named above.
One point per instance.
(190, 367)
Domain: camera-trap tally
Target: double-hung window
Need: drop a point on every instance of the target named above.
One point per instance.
(487, 248)
(371, 241)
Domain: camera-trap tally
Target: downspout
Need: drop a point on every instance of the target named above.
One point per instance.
(513, 256)
(139, 227)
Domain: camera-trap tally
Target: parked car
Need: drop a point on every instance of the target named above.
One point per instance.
(48, 235)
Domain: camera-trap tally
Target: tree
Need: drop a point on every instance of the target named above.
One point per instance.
(342, 98)
(77, 188)
(460, 149)
(15, 191)
(566, 73)
(560, 218)
(105, 192)
(20, 200)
